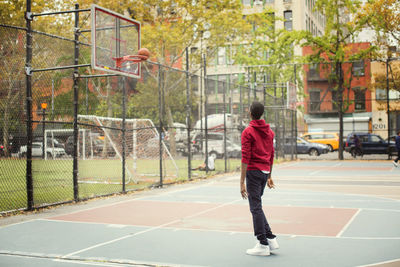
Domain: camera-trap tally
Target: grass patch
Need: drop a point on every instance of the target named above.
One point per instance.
(53, 179)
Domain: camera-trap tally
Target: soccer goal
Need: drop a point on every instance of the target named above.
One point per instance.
(142, 151)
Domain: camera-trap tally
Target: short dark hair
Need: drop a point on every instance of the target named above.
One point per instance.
(256, 110)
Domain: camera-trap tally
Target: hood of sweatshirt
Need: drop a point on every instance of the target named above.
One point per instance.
(261, 127)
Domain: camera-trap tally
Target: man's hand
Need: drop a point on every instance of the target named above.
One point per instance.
(243, 191)
(270, 183)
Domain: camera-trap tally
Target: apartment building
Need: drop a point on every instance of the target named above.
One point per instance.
(296, 14)
(382, 101)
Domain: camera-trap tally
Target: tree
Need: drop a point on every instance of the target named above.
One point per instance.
(333, 47)
(11, 83)
(270, 48)
(12, 12)
(169, 27)
(384, 19)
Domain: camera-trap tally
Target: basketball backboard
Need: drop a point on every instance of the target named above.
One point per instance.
(114, 36)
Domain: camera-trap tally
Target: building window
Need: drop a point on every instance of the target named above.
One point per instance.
(358, 68)
(230, 52)
(222, 84)
(313, 72)
(212, 84)
(359, 99)
(315, 97)
(380, 94)
(335, 100)
(221, 56)
(288, 20)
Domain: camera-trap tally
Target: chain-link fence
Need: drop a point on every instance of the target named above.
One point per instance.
(130, 133)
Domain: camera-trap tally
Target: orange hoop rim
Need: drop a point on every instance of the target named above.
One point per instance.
(132, 58)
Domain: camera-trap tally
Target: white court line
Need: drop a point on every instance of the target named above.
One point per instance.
(92, 261)
(149, 229)
(379, 263)
(230, 232)
(317, 171)
(348, 223)
(111, 204)
(132, 200)
(337, 165)
(284, 165)
(12, 224)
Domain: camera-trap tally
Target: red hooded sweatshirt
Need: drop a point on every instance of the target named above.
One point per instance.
(258, 146)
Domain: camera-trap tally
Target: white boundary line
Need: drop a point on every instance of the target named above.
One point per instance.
(132, 200)
(379, 263)
(230, 232)
(91, 261)
(348, 223)
(149, 229)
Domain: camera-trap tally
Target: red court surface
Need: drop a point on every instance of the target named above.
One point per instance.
(212, 216)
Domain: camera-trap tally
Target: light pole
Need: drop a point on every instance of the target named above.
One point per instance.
(389, 55)
(44, 106)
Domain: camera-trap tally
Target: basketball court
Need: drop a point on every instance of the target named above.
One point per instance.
(325, 213)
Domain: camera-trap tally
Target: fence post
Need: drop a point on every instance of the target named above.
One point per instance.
(188, 114)
(160, 130)
(205, 110)
(76, 96)
(28, 65)
(265, 96)
(123, 133)
(224, 99)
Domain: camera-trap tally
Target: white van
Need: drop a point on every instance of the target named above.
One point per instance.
(215, 122)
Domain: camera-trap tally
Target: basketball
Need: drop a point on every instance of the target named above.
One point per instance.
(144, 52)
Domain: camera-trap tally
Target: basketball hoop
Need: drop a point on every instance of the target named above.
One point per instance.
(142, 55)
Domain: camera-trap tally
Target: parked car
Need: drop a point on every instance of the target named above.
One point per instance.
(92, 145)
(216, 149)
(180, 132)
(215, 145)
(370, 144)
(37, 151)
(327, 138)
(305, 147)
(50, 141)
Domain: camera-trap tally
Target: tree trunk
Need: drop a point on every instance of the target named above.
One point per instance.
(5, 130)
(340, 111)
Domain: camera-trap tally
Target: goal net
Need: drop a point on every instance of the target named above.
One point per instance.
(142, 151)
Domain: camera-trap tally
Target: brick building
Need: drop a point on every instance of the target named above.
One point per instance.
(321, 98)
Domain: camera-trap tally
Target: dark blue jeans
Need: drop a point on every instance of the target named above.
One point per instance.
(255, 183)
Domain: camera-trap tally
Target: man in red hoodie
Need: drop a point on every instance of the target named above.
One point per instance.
(257, 159)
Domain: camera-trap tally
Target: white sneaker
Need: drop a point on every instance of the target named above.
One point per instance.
(259, 250)
(273, 243)
(395, 163)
